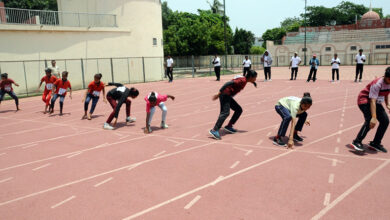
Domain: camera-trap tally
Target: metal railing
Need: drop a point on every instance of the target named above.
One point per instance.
(55, 18)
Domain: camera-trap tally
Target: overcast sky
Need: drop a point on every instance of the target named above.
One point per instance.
(260, 15)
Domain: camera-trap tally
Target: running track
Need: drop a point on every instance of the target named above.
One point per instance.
(67, 168)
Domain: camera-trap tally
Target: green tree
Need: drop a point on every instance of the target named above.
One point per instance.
(257, 50)
(32, 4)
(291, 24)
(274, 34)
(243, 41)
(166, 11)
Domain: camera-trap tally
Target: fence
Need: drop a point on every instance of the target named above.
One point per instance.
(55, 18)
(81, 71)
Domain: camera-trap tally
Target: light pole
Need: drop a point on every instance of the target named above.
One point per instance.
(224, 29)
(304, 47)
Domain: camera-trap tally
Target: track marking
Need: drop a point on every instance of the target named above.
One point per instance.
(175, 142)
(327, 199)
(103, 182)
(29, 146)
(178, 144)
(269, 134)
(2, 154)
(336, 150)
(249, 152)
(195, 136)
(341, 125)
(5, 180)
(133, 166)
(123, 137)
(349, 191)
(260, 142)
(40, 167)
(73, 155)
(338, 140)
(189, 205)
(331, 178)
(63, 202)
(162, 152)
(242, 149)
(234, 165)
(334, 161)
(219, 179)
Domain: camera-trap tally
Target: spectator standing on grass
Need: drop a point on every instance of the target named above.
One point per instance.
(314, 63)
(370, 101)
(217, 66)
(247, 65)
(294, 63)
(267, 62)
(170, 68)
(55, 70)
(335, 67)
(360, 60)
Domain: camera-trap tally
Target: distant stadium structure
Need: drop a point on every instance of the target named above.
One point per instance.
(371, 34)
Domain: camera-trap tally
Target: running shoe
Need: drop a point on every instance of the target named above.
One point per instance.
(130, 119)
(297, 138)
(377, 147)
(279, 142)
(163, 125)
(357, 146)
(108, 126)
(231, 130)
(215, 134)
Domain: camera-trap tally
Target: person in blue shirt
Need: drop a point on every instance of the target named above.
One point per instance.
(314, 63)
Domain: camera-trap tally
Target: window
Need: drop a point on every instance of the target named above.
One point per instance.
(154, 41)
(353, 47)
(328, 49)
(388, 46)
(382, 46)
(378, 47)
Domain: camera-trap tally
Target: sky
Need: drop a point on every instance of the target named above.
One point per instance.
(259, 15)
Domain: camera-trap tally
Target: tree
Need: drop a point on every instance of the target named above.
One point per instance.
(243, 41)
(166, 11)
(257, 50)
(274, 34)
(32, 4)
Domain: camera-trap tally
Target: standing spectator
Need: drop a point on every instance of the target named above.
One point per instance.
(55, 70)
(170, 68)
(360, 60)
(335, 67)
(267, 61)
(247, 65)
(217, 66)
(314, 63)
(294, 63)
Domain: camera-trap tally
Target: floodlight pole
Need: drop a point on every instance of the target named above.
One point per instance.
(304, 48)
(224, 27)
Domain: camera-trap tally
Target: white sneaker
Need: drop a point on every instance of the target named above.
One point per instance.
(163, 125)
(108, 126)
(265, 80)
(130, 119)
(270, 80)
(332, 81)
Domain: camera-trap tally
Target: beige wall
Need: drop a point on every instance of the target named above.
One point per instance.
(138, 22)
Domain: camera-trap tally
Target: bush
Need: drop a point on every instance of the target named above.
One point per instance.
(257, 50)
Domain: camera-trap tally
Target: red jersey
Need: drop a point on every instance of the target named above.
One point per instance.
(233, 87)
(49, 82)
(376, 89)
(6, 85)
(61, 86)
(95, 89)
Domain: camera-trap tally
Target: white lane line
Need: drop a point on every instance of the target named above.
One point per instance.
(234, 165)
(336, 150)
(326, 199)
(175, 142)
(2, 154)
(331, 178)
(349, 191)
(249, 152)
(260, 142)
(189, 205)
(242, 149)
(124, 137)
(103, 182)
(5, 180)
(133, 166)
(334, 162)
(338, 140)
(178, 144)
(29, 146)
(269, 134)
(43, 166)
(195, 136)
(221, 178)
(331, 159)
(61, 203)
(341, 125)
(162, 152)
(73, 155)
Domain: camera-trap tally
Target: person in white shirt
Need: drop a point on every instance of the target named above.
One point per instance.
(55, 70)
(267, 61)
(294, 63)
(170, 68)
(335, 67)
(360, 60)
(217, 66)
(247, 65)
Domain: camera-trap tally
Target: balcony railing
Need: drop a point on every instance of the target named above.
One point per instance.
(55, 18)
